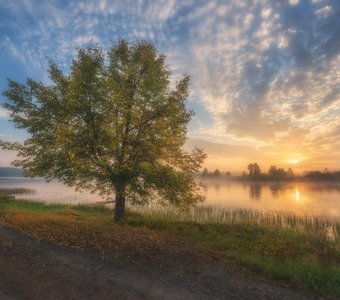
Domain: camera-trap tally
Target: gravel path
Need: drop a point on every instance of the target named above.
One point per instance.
(32, 269)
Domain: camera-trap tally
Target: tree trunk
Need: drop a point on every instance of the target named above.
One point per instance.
(120, 204)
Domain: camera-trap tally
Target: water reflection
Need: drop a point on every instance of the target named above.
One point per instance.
(275, 189)
(298, 197)
(217, 187)
(255, 190)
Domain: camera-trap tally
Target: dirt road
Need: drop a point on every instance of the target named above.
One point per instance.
(31, 269)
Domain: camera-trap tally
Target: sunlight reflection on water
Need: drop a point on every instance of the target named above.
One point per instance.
(297, 195)
(319, 199)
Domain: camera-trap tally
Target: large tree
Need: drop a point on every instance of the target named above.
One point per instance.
(114, 124)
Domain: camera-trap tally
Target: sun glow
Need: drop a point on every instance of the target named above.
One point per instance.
(293, 161)
(295, 158)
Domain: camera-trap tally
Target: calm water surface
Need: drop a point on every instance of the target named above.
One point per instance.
(322, 199)
(49, 192)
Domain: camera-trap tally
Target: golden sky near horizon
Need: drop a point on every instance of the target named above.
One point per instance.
(235, 158)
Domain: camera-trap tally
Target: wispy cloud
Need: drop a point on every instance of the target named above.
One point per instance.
(266, 72)
(269, 69)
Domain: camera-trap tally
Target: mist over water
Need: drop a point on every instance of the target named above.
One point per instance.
(301, 198)
(48, 192)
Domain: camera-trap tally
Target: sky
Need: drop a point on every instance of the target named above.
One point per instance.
(265, 74)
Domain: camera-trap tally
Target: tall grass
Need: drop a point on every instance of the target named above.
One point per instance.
(312, 225)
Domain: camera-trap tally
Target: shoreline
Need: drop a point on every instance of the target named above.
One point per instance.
(282, 256)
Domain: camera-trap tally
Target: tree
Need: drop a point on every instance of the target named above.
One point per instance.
(251, 169)
(254, 170)
(272, 172)
(216, 173)
(257, 170)
(205, 172)
(277, 173)
(112, 125)
(290, 174)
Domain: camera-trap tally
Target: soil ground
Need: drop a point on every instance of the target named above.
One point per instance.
(32, 269)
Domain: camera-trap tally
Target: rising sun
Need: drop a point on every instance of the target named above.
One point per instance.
(293, 161)
(295, 158)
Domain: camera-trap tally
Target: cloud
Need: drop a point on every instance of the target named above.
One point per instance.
(269, 69)
(222, 150)
(35, 31)
(266, 71)
(324, 12)
(82, 40)
(4, 114)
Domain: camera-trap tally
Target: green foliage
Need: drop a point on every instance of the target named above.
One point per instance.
(14, 191)
(113, 124)
(9, 203)
(93, 209)
(280, 244)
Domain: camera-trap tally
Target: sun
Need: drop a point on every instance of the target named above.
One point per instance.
(295, 158)
(293, 161)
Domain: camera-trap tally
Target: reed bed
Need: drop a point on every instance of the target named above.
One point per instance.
(309, 224)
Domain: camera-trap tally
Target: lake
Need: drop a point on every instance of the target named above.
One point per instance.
(319, 199)
(301, 198)
(49, 192)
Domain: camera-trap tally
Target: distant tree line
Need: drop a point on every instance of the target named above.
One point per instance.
(323, 176)
(215, 174)
(11, 172)
(254, 173)
(274, 173)
(280, 174)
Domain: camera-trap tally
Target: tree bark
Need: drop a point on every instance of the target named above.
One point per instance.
(120, 204)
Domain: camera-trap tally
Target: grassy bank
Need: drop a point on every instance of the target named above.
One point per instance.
(298, 250)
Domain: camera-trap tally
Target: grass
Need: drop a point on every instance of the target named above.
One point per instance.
(300, 250)
(313, 225)
(300, 254)
(9, 203)
(14, 191)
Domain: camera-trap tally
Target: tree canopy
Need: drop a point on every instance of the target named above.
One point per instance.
(114, 125)
(254, 170)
